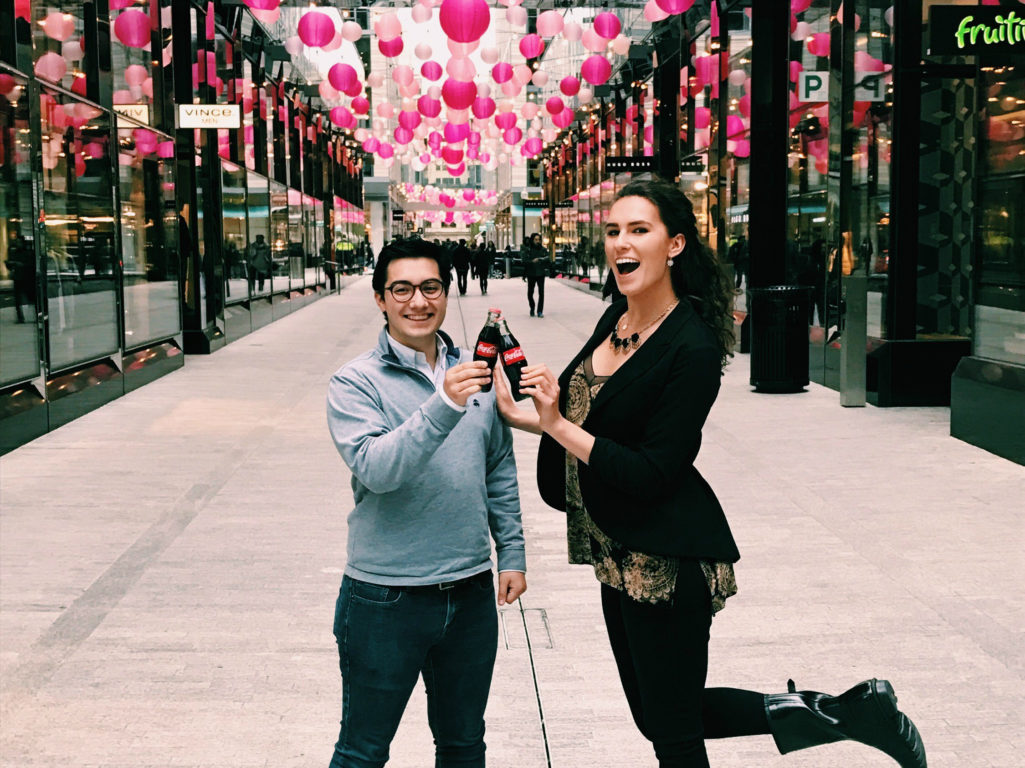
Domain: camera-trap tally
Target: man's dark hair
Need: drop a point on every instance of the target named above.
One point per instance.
(410, 248)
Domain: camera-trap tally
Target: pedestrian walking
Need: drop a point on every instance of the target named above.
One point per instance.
(535, 269)
(21, 262)
(434, 481)
(621, 428)
(482, 262)
(461, 261)
(260, 263)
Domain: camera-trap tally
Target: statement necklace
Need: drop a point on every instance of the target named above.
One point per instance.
(634, 339)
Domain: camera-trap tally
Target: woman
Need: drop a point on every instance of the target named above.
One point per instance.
(620, 430)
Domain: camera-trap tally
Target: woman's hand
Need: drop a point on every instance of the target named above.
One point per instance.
(541, 384)
(515, 417)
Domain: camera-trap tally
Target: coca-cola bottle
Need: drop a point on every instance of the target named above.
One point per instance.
(487, 343)
(513, 359)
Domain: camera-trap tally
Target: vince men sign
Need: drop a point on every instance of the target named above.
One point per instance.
(209, 116)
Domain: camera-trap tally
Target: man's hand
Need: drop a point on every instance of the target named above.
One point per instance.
(466, 379)
(511, 584)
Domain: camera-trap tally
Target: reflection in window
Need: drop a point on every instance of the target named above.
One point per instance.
(149, 242)
(57, 43)
(19, 356)
(233, 208)
(78, 235)
(259, 263)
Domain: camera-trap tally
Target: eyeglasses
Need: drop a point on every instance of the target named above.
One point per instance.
(402, 291)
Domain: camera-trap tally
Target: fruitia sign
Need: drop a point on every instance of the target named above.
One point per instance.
(970, 30)
(209, 116)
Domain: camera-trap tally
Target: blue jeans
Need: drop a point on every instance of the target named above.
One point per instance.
(387, 638)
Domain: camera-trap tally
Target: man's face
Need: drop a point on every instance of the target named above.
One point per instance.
(415, 322)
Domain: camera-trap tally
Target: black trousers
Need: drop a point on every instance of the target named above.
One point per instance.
(461, 280)
(540, 283)
(662, 654)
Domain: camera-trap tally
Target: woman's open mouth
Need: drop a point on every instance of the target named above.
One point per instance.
(626, 266)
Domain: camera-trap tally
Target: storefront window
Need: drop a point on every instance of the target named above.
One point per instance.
(234, 232)
(78, 234)
(57, 41)
(279, 220)
(19, 349)
(138, 74)
(149, 242)
(293, 243)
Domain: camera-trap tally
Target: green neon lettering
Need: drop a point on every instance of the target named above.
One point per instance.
(976, 30)
(962, 30)
(1002, 29)
(989, 36)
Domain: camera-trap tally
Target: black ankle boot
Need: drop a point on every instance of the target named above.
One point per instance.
(867, 713)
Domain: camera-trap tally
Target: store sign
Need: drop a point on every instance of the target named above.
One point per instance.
(814, 86)
(629, 164)
(967, 31)
(533, 205)
(209, 116)
(137, 112)
(692, 165)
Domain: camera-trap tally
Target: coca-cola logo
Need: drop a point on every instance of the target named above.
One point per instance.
(488, 350)
(513, 355)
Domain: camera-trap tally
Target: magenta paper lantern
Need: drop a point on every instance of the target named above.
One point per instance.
(744, 105)
(131, 27)
(342, 76)
(452, 155)
(434, 140)
(371, 145)
(505, 120)
(402, 135)
(316, 29)
(51, 66)
(569, 86)
(385, 150)
(165, 149)
(799, 6)
(390, 48)
(796, 68)
(818, 45)
(483, 108)
(596, 69)
(468, 195)
(502, 72)
(531, 46)
(428, 107)
(458, 94)
(473, 139)
(457, 170)
(673, 7)
(360, 105)
(532, 147)
(431, 70)
(456, 132)
(607, 25)
(342, 117)
(734, 125)
(263, 5)
(563, 119)
(554, 105)
(512, 136)
(702, 117)
(409, 119)
(464, 21)
(7, 83)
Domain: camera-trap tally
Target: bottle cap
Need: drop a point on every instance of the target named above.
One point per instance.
(495, 310)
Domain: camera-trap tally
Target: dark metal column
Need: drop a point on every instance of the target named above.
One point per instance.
(907, 98)
(770, 99)
(666, 79)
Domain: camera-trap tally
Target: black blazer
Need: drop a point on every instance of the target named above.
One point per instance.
(641, 487)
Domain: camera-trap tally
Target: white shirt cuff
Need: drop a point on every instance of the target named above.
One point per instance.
(448, 401)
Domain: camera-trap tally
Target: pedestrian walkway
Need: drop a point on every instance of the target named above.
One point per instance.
(169, 565)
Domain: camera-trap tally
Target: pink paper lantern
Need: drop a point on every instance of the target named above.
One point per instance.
(409, 119)
(799, 6)
(532, 147)
(818, 45)
(135, 75)
(457, 170)
(607, 25)
(452, 155)
(390, 48)
(461, 68)
(402, 135)
(596, 69)
(316, 29)
(385, 151)
(458, 94)
(464, 21)
(132, 28)
(744, 105)
(512, 136)
(342, 76)
(388, 27)
(431, 70)
(371, 145)
(58, 26)
(531, 46)
(456, 132)
(360, 105)
(653, 13)
(341, 117)
(569, 86)
(483, 108)
(468, 195)
(51, 66)
(564, 118)
(550, 23)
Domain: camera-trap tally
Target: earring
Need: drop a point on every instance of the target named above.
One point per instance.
(670, 262)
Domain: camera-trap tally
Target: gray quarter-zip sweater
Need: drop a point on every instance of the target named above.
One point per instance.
(430, 482)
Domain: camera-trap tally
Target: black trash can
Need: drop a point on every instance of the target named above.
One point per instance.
(779, 337)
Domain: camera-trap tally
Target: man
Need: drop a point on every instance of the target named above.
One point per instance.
(260, 263)
(461, 260)
(535, 268)
(433, 475)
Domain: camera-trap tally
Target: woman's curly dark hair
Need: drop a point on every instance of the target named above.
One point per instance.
(695, 273)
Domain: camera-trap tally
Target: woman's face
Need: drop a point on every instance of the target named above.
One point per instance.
(638, 246)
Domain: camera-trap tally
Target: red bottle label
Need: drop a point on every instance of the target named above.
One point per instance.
(513, 355)
(487, 350)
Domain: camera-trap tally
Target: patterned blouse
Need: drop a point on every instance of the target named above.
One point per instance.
(645, 578)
